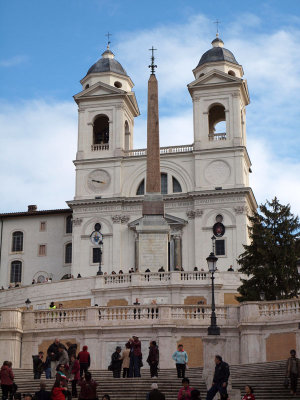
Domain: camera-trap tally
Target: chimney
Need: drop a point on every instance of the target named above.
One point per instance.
(32, 208)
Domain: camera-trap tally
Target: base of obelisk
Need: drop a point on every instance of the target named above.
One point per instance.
(153, 239)
(212, 346)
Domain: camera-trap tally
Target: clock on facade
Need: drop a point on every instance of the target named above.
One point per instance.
(218, 229)
(98, 180)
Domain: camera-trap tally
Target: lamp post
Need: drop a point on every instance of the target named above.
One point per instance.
(262, 296)
(99, 272)
(213, 329)
(96, 238)
(27, 302)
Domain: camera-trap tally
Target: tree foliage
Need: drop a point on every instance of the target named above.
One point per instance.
(270, 259)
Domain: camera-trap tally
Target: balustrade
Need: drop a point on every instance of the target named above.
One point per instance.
(99, 147)
(163, 150)
(217, 136)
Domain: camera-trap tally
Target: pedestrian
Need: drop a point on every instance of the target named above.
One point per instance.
(72, 349)
(293, 370)
(185, 393)
(181, 359)
(126, 360)
(63, 356)
(74, 374)
(155, 394)
(47, 367)
(116, 363)
(60, 372)
(59, 390)
(135, 357)
(7, 379)
(42, 394)
(52, 306)
(84, 360)
(220, 380)
(153, 359)
(38, 365)
(88, 387)
(106, 397)
(195, 394)
(53, 353)
(249, 393)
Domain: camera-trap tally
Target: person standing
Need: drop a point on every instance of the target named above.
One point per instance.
(185, 393)
(42, 394)
(53, 353)
(249, 393)
(135, 357)
(74, 374)
(38, 365)
(126, 360)
(220, 380)
(293, 370)
(88, 387)
(47, 367)
(181, 359)
(153, 359)
(7, 379)
(84, 360)
(155, 394)
(63, 356)
(116, 363)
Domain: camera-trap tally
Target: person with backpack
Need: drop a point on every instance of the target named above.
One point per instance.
(84, 360)
(220, 380)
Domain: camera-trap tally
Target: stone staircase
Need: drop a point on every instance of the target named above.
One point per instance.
(266, 379)
(122, 389)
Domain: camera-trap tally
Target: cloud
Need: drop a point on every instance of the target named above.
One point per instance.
(13, 61)
(38, 143)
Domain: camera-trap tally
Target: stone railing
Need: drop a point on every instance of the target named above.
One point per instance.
(99, 147)
(163, 150)
(217, 136)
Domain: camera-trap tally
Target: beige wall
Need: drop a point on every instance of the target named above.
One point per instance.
(117, 302)
(194, 348)
(230, 298)
(278, 345)
(192, 300)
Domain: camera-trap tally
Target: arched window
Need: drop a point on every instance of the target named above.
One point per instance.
(141, 189)
(176, 185)
(69, 224)
(68, 253)
(17, 241)
(232, 73)
(101, 130)
(16, 271)
(127, 136)
(217, 122)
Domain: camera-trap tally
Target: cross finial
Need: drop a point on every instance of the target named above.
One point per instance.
(152, 65)
(217, 22)
(108, 41)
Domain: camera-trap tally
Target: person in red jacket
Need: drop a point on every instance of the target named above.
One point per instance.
(185, 393)
(59, 390)
(84, 360)
(75, 374)
(249, 393)
(88, 386)
(7, 379)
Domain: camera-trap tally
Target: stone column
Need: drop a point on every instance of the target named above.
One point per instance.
(177, 251)
(136, 255)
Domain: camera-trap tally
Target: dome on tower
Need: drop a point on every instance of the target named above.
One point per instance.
(107, 64)
(217, 53)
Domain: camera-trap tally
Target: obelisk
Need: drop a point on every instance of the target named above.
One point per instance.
(153, 230)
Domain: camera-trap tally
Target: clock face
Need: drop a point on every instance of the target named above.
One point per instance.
(98, 180)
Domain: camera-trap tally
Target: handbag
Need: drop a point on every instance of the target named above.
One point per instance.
(286, 382)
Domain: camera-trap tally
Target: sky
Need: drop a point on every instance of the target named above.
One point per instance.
(46, 47)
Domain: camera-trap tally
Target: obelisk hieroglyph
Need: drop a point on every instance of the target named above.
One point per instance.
(153, 230)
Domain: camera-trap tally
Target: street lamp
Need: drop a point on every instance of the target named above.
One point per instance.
(213, 329)
(27, 302)
(262, 296)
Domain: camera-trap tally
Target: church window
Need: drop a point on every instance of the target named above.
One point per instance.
(42, 250)
(96, 255)
(217, 122)
(41, 279)
(101, 130)
(220, 247)
(118, 84)
(127, 136)
(17, 241)
(68, 253)
(16, 272)
(176, 185)
(164, 183)
(69, 225)
(141, 189)
(42, 226)
(219, 218)
(87, 86)
(232, 73)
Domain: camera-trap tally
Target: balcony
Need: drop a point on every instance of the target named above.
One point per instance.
(187, 148)
(100, 147)
(215, 137)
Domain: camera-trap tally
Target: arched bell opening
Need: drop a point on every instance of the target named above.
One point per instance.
(217, 122)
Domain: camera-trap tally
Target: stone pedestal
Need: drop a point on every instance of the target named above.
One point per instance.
(212, 346)
(153, 238)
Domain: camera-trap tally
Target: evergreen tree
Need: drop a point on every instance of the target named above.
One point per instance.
(270, 260)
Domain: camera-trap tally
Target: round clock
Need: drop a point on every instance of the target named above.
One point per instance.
(98, 180)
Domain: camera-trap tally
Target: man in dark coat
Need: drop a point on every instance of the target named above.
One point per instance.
(42, 394)
(135, 357)
(54, 355)
(153, 359)
(220, 380)
(38, 365)
(116, 363)
(155, 394)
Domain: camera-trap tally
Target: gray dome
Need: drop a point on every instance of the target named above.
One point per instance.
(107, 64)
(217, 53)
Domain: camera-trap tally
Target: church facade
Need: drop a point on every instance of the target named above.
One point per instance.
(205, 185)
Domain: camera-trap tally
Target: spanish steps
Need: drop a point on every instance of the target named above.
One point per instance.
(266, 379)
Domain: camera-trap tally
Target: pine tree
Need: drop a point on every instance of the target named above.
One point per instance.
(270, 260)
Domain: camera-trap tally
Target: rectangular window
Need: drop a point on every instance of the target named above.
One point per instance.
(164, 183)
(96, 255)
(16, 272)
(68, 253)
(220, 247)
(17, 241)
(42, 250)
(42, 226)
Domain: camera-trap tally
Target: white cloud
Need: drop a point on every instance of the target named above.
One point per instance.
(11, 62)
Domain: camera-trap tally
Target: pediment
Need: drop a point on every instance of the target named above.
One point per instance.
(214, 77)
(99, 89)
(171, 220)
